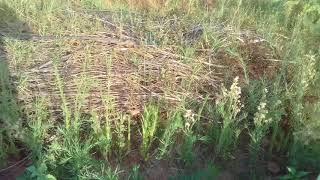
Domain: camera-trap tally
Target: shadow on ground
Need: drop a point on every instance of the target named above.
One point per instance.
(13, 158)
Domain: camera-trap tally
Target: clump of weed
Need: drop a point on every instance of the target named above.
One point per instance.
(168, 139)
(190, 138)
(262, 122)
(135, 174)
(150, 121)
(228, 107)
(102, 135)
(11, 129)
(190, 131)
(121, 130)
(37, 172)
(38, 128)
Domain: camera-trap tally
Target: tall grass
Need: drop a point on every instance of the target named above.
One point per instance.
(229, 106)
(149, 127)
(85, 146)
(167, 140)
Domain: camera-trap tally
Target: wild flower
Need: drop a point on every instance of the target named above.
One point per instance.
(262, 123)
(229, 105)
(228, 102)
(260, 117)
(189, 120)
(308, 71)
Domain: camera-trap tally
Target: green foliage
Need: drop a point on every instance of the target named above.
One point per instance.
(168, 138)
(60, 86)
(94, 4)
(38, 129)
(261, 121)
(150, 121)
(37, 173)
(304, 117)
(10, 118)
(69, 149)
(228, 106)
(302, 154)
(187, 150)
(70, 157)
(293, 174)
(102, 135)
(191, 136)
(135, 174)
(120, 133)
(306, 11)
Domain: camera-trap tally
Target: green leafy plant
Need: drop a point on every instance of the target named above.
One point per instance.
(135, 174)
(38, 129)
(102, 135)
(306, 11)
(293, 174)
(228, 107)
(262, 122)
(150, 121)
(168, 139)
(120, 134)
(37, 173)
(187, 148)
(191, 137)
(10, 121)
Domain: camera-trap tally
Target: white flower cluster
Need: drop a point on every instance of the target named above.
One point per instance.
(260, 117)
(230, 100)
(189, 120)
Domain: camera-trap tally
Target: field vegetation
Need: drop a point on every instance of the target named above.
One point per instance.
(159, 89)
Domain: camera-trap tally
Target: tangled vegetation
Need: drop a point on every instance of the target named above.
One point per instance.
(159, 89)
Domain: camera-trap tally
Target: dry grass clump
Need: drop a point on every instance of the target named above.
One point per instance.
(98, 67)
(141, 4)
(163, 4)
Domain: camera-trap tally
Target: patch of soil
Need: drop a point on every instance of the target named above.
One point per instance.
(226, 175)
(257, 57)
(158, 170)
(16, 167)
(261, 60)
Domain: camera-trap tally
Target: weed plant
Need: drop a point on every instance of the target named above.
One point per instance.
(229, 106)
(149, 123)
(84, 146)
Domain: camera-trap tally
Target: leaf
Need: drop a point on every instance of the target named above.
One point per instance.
(50, 177)
(291, 170)
(42, 168)
(285, 177)
(302, 174)
(33, 171)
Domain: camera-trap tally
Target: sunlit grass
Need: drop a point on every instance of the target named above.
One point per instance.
(87, 143)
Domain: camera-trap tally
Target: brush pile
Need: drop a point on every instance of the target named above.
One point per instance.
(103, 71)
(112, 70)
